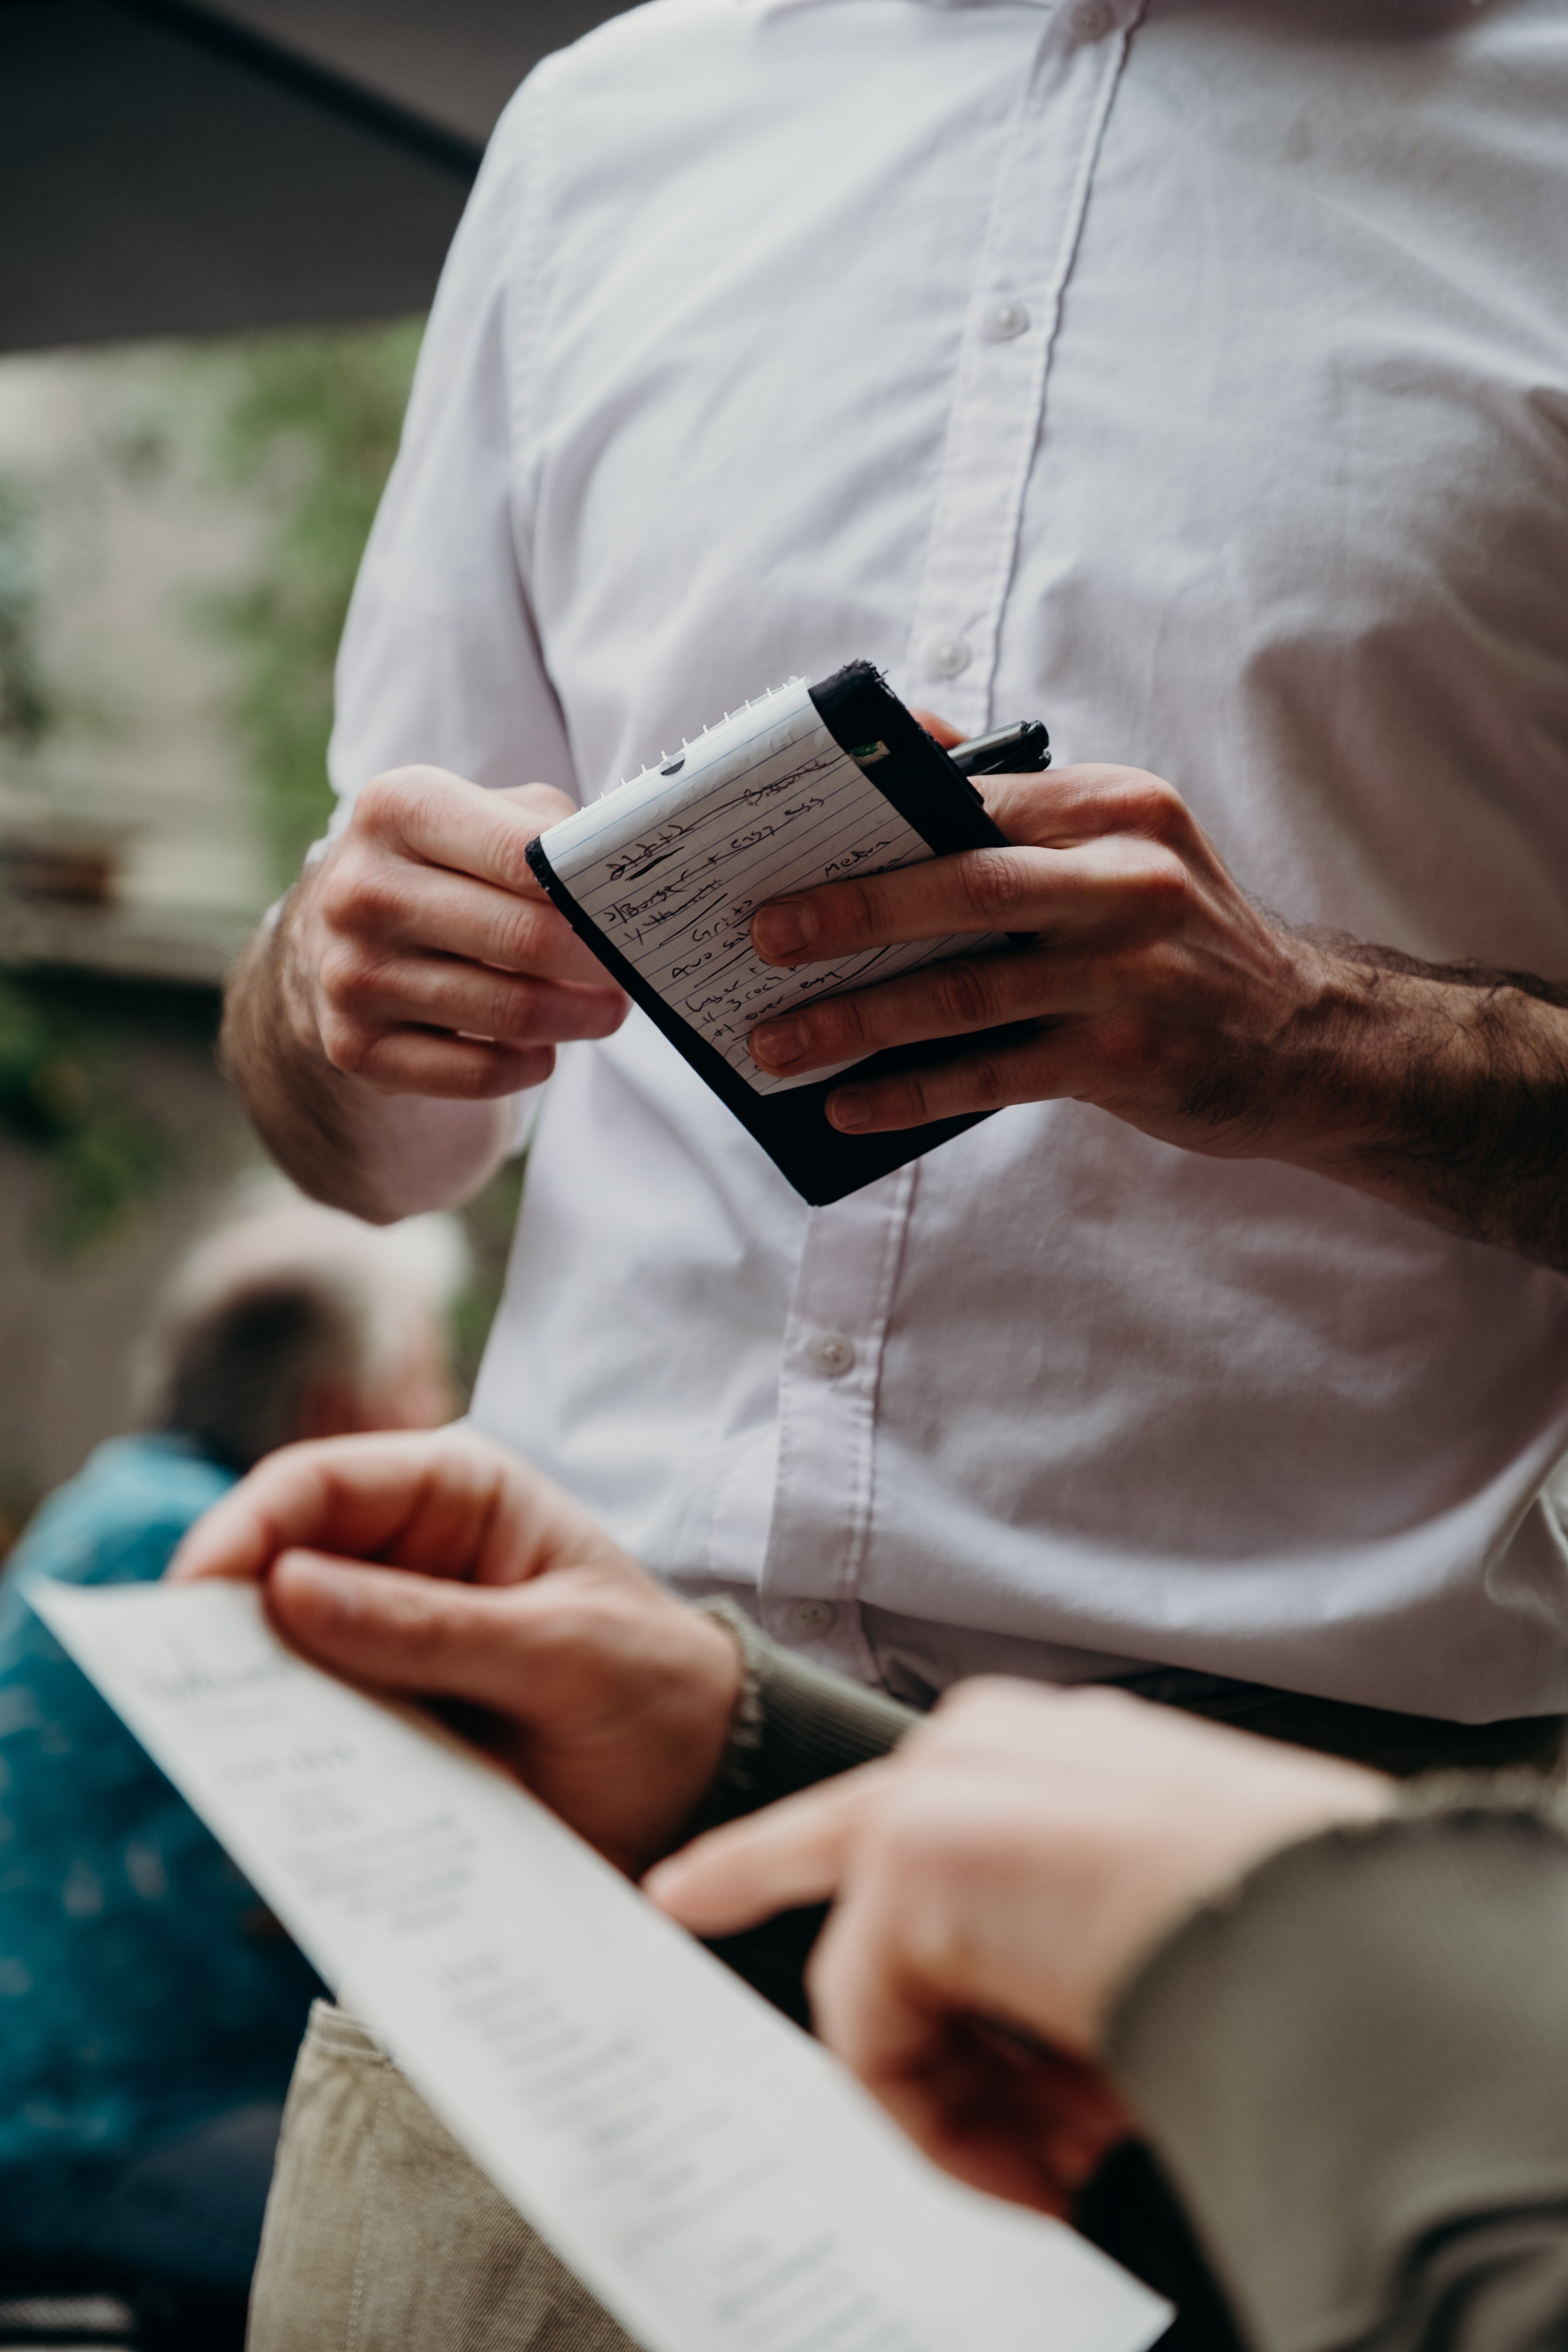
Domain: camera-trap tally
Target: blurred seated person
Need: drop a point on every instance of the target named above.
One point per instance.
(1329, 2014)
(149, 2009)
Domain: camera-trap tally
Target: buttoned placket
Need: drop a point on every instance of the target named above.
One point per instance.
(823, 1493)
(999, 392)
(827, 1407)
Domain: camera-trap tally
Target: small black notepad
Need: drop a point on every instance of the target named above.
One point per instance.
(662, 877)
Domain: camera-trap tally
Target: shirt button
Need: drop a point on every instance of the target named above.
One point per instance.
(1007, 320)
(948, 657)
(1091, 20)
(810, 1618)
(831, 1354)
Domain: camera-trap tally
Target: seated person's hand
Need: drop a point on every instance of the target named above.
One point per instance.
(1153, 986)
(609, 1698)
(1007, 1869)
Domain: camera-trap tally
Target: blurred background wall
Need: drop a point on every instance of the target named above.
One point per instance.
(219, 229)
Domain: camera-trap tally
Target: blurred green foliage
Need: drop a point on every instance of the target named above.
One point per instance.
(305, 427)
(311, 422)
(62, 1093)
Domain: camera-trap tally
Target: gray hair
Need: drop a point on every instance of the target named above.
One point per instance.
(280, 1300)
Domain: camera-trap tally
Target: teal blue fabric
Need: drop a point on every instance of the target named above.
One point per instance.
(143, 1989)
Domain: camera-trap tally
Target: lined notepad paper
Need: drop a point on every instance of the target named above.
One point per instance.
(673, 866)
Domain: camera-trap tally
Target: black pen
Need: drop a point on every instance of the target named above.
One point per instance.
(1021, 749)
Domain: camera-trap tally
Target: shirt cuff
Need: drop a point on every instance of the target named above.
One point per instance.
(794, 1724)
(1352, 2067)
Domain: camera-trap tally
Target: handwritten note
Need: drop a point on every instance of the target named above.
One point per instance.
(708, 2170)
(673, 866)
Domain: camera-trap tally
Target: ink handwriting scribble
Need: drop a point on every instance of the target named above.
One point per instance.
(672, 870)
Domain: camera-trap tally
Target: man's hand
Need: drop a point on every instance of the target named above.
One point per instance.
(412, 980)
(1150, 975)
(429, 961)
(609, 1698)
(1155, 988)
(1009, 1867)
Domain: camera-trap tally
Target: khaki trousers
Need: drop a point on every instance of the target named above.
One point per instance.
(381, 2236)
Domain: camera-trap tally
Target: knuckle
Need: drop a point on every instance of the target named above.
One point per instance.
(988, 1082)
(510, 1013)
(1151, 805)
(854, 909)
(518, 942)
(363, 898)
(382, 892)
(337, 892)
(996, 884)
(915, 1105)
(841, 1023)
(381, 806)
(1164, 887)
(1125, 1048)
(346, 974)
(399, 797)
(965, 995)
(347, 1045)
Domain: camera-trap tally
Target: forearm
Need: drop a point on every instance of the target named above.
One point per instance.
(378, 1155)
(1150, 985)
(1355, 2073)
(1441, 1090)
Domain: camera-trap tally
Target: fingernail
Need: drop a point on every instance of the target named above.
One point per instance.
(850, 1110)
(778, 1042)
(783, 929)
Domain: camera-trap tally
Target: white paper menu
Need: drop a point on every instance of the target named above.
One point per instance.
(708, 2171)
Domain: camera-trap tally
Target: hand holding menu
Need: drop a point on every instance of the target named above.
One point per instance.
(661, 877)
(708, 2170)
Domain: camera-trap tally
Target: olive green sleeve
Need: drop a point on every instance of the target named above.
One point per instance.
(795, 1724)
(1354, 2070)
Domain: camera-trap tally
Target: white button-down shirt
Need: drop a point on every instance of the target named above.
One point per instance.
(1195, 379)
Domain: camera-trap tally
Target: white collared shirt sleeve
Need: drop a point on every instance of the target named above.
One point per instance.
(441, 660)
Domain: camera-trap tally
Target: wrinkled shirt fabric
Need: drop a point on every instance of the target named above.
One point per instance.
(1196, 379)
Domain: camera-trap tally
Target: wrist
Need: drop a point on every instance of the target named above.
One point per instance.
(793, 1723)
(1345, 1056)
(1406, 1060)
(691, 1680)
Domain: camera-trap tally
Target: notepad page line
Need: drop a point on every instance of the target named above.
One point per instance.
(674, 883)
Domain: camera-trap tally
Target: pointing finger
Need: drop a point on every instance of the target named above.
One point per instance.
(793, 1853)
